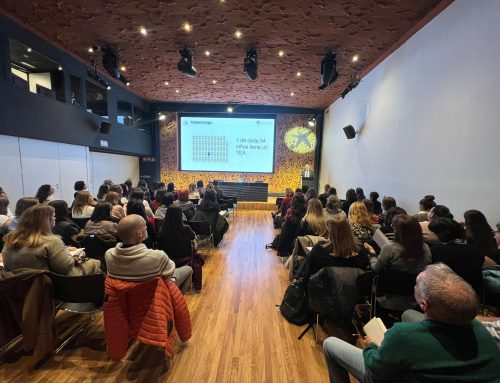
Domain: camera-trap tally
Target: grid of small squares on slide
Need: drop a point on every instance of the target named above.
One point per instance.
(210, 149)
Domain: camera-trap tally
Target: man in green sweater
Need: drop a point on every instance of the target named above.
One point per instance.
(448, 346)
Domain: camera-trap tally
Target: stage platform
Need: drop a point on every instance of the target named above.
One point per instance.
(269, 205)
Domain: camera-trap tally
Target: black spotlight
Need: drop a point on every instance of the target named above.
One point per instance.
(353, 83)
(95, 76)
(123, 79)
(251, 64)
(185, 64)
(111, 62)
(328, 70)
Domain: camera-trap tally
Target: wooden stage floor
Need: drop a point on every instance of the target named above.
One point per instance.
(239, 334)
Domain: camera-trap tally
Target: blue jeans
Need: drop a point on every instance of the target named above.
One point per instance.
(343, 358)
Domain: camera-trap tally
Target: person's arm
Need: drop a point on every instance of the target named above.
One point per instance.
(383, 260)
(189, 232)
(166, 266)
(59, 259)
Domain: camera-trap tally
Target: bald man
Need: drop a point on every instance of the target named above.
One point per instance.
(447, 346)
(131, 260)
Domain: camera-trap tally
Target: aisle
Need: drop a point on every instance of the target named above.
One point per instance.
(238, 332)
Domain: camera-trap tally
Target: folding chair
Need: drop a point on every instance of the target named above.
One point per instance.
(203, 232)
(96, 248)
(81, 294)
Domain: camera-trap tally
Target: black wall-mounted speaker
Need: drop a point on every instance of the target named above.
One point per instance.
(349, 132)
(105, 127)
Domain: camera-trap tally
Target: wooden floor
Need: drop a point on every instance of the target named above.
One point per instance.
(239, 334)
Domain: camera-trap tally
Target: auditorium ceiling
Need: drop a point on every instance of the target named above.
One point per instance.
(303, 31)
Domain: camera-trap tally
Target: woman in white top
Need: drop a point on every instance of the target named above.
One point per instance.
(82, 207)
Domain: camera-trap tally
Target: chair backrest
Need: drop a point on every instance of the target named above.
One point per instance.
(194, 200)
(395, 282)
(200, 227)
(79, 289)
(80, 221)
(279, 200)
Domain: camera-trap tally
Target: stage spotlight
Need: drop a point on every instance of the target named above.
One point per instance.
(229, 109)
(95, 76)
(124, 80)
(311, 123)
(111, 62)
(328, 70)
(353, 83)
(251, 64)
(185, 64)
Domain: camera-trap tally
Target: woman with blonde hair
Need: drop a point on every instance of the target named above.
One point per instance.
(314, 222)
(82, 207)
(342, 249)
(361, 222)
(32, 245)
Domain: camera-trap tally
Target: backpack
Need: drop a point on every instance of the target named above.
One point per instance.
(294, 306)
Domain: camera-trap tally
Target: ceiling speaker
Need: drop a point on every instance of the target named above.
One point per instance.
(349, 132)
(105, 127)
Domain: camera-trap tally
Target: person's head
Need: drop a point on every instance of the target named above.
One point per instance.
(138, 194)
(478, 231)
(132, 229)
(24, 203)
(128, 182)
(102, 212)
(113, 198)
(82, 199)
(107, 182)
(369, 206)
(44, 192)
(447, 229)
(159, 195)
(288, 192)
(192, 187)
(445, 297)
(4, 203)
(427, 203)
(350, 195)
(184, 195)
(2, 192)
(61, 210)
(360, 194)
(304, 189)
(142, 184)
(199, 183)
(359, 215)
(167, 199)
(162, 186)
(210, 186)
(215, 182)
(173, 220)
(125, 189)
(80, 185)
(326, 188)
(439, 211)
(103, 189)
(333, 203)
(314, 217)
(35, 225)
(136, 207)
(388, 202)
(391, 213)
(374, 196)
(170, 187)
(331, 191)
(116, 189)
(408, 233)
(297, 207)
(341, 237)
(210, 195)
(311, 193)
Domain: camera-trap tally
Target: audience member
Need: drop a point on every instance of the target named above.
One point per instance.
(193, 192)
(425, 205)
(311, 194)
(291, 225)
(377, 206)
(323, 196)
(80, 186)
(387, 203)
(125, 194)
(103, 190)
(342, 249)
(448, 346)
(369, 208)
(185, 204)
(136, 207)
(107, 182)
(478, 232)
(218, 190)
(157, 200)
(32, 245)
(201, 189)
(4, 218)
(139, 195)
(408, 254)
(437, 211)
(83, 205)
(360, 194)
(387, 227)
(45, 194)
(208, 210)
(463, 258)
(117, 211)
(175, 237)
(131, 260)
(286, 202)
(64, 226)
(361, 222)
(101, 222)
(314, 222)
(350, 198)
(162, 188)
(332, 209)
(21, 205)
(166, 201)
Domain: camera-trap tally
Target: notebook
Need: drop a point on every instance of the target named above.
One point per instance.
(375, 329)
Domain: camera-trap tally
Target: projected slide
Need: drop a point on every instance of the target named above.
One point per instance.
(227, 144)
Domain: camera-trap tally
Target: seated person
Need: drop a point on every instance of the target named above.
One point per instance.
(64, 226)
(32, 245)
(425, 204)
(193, 192)
(332, 209)
(4, 217)
(361, 222)
(45, 194)
(208, 210)
(139, 195)
(437, 211)
(166, 201)
(369, 207)
(387, 227)
(387, 203)
(21, 205)
(478, 232)
(83, 205)
(113, 198)
(291, 225)
(377, 206)
(448, 346)
(462, 257)
(137, 207)
(323, 196)
(218, 190)
(131, 260)
(185, 204)
(174, 237)
(101, 222)
(314, 222)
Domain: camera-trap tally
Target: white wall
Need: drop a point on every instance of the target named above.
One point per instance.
(429, 117)
(114, 167)
(42, 79)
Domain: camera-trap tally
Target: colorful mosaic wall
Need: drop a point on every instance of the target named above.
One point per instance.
(294, 147)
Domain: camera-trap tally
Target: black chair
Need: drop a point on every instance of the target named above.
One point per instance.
(204, 233)
(81, 221)
(95, 248)
(279, 200)
(194, 200)
(80, 294)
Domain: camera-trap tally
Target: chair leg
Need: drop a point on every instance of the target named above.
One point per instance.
(79, 331)
(309, 326)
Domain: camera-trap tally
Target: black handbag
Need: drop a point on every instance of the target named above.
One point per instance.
(294, 306)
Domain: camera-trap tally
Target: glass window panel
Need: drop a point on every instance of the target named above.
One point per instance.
(76, 90)
(142, 120)
(124, 115)
(97, 99)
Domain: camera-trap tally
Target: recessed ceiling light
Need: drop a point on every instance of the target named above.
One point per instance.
(281, 53)
(187, 27)
(59, 68)
(127, 83)
(238, 34)
(214, 81)
(292, 94)
(108, 87)
(166, 83)
(177, 91)
(28, 49)
(298, 74)
(355, 58)
(122, 68)
(207, 53)
(162, 117)
(143, 31)
(90, 50)
(230, 109)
